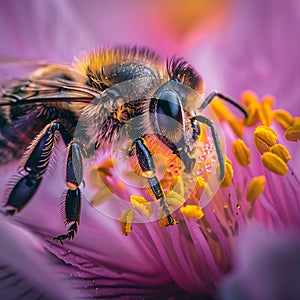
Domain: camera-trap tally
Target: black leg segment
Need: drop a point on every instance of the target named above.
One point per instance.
(36, 163)
(146, 163)
(74, 176)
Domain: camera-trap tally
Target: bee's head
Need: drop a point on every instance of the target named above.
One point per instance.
(173, 123)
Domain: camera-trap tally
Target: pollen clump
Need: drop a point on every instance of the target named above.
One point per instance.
(274, 163)
(255, 188)
(292, 134)
(125, 221)
(174, 200)
(140, 203)
(281, 151)
(227, 180)
(241, 152)
(264, 138)
(192, 211)
(265, 113)
(284, 118)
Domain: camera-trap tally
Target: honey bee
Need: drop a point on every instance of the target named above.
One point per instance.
(104, 90)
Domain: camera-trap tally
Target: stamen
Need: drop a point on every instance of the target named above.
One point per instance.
(220, 110)
(284, 118)
(241, 152)
(227, 180)
(249, 97)
(265, 113)
(253, 115)
(174, 200)
(255, 188)
(192, 211)
(264, 138)
(274, 163)
(125, 221)
(142, 205)
(281, 151)
(292, 134)
(236, 125)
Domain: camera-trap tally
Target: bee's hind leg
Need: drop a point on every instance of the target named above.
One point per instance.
(36, 163)
(146, 163)
(74, 175)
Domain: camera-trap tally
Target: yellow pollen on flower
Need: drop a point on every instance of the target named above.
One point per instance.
(241, 152)
(236, 125)
(174, 200)
(140, 203)
(220, 110)
(268, 99)
(255, 188)
(281, 151)
(292, 134)
(192, 211)
(274, 163)
(249, 97)
(253, 115)
(125, 221)
(284, 118)
(265, 114)
(202, 187)
(227, 180)
(264, 138)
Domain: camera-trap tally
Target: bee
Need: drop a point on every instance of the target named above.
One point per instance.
(103, 91)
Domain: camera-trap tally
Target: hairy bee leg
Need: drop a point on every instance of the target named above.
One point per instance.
(35, 166)
(215, 136)
(74, 177)
(146, 163)
(214, 94)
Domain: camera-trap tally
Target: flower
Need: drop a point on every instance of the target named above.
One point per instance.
(195, 256)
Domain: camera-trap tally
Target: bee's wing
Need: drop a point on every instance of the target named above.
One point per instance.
(40, 82)
(27, 91)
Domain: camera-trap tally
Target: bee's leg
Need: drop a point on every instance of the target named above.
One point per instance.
(74, 175)
(146, 163)
(215, 136)
(36, 163)
(214, 94)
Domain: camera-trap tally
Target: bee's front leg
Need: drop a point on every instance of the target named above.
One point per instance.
(74, 176)
(147, 166)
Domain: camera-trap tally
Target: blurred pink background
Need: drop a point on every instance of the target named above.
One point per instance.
(235, 44)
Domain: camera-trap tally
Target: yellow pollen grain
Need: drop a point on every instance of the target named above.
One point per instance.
(253, 115)
(202, 186)
(227, 180)
(284, 118)
(241, 152)
(220, 110)
(281, 151)
(255, 188)
(268, 99)
(265, 114)
(140, 203)
(264, 138)
(248, 97)
(292, 134)
(192, 211)
(274, 163)
(174, 200)
(236, 125)
(125, 221)
(296, 121)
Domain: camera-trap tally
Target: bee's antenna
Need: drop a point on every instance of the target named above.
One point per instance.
(214, 94)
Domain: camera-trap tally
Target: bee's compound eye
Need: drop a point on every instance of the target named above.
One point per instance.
(168, 105)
